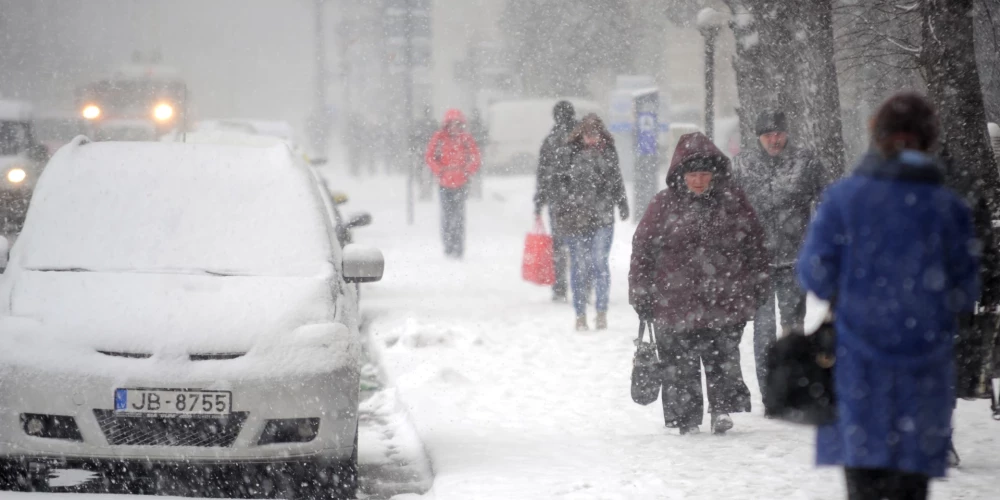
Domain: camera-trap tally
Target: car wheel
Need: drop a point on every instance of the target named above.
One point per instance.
(337, 481)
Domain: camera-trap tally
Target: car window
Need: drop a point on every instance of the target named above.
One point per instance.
(15, 138)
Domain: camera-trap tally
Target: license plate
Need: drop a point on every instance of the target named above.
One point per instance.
(177, 402)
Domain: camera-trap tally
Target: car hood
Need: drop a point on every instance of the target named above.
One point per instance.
(167, 315)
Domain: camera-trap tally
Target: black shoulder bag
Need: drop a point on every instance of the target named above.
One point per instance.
(800, 376)
(646, 378)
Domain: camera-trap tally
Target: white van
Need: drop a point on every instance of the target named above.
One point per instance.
(517, 130)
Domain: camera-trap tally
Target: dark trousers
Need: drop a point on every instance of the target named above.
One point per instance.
(560, 259)
(881, 484)
(791, 303)
(683, 354)
(453, 220)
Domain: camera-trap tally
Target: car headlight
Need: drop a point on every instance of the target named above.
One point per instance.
(91, 112)
(16, 175)
(163, 112)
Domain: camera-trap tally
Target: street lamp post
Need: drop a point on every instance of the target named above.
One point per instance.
(710, 21)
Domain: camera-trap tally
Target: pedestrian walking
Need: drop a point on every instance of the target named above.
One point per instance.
(453, 157)
(699, 272)
(783, 183)
(552, 159)
(589, 186)
(895, 251)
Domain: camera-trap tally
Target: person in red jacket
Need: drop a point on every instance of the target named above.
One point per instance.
(453, 157)
(699, 271)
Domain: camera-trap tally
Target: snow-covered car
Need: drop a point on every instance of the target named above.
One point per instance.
(183, 310)
(22, 159)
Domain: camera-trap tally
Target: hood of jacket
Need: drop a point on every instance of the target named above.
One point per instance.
(453, 115)
(695, 146)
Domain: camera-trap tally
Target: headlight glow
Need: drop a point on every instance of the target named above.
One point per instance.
(163, 112)
(91, 112)
(16, 175)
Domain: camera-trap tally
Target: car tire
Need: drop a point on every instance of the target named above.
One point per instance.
(337, 481)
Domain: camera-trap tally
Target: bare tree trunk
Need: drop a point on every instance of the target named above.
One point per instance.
(820, 124)
(949, 62)
(765, 78)
(987, 26)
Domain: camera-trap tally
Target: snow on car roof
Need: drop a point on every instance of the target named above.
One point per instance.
(176, 208)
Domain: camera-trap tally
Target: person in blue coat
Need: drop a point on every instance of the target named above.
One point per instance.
(895, 251)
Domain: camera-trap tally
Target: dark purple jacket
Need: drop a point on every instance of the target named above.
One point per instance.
(699, 261)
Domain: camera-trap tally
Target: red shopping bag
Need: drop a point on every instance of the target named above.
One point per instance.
(537, 266)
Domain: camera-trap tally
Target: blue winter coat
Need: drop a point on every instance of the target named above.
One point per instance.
(895, 250)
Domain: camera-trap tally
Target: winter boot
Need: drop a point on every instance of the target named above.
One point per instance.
(721, 422)
(602, 320)
(690, 429)
(953, 459)
(581, 324)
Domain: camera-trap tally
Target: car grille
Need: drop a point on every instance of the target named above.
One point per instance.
(218, 432)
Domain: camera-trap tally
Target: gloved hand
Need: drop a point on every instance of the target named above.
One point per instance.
(645, 310)
(623, 211)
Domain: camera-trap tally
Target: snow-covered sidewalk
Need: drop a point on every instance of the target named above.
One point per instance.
(510, 402)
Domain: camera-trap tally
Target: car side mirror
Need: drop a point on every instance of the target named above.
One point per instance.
(4, 253)
(363, 264)
(359, 220)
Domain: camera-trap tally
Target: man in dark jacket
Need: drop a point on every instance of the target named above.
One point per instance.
(783, 183)
(551, 159)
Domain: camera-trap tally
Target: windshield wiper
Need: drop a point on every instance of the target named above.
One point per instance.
(62, 270)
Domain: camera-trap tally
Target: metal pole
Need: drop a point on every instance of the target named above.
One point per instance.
(408, 110)
(710, 35)
(321, 122)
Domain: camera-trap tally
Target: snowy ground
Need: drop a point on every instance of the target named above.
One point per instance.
(510, 402)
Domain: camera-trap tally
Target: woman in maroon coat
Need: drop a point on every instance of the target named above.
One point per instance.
(699, 271)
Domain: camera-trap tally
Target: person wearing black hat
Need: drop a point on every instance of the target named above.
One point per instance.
(552, 158)
(783, 183)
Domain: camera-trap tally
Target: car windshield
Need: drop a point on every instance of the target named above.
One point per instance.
(177, 208)
(15, 138)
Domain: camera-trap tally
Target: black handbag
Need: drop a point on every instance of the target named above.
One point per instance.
(800, 377)
(646, 378)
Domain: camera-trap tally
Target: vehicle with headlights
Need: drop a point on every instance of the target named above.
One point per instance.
(126, 130)
(138, 92)
(182, 311)
(22, 159)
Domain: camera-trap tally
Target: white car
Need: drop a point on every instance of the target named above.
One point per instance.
(182, 310)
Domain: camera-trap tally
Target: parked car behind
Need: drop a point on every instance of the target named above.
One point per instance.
(22, 159)
(182, 309)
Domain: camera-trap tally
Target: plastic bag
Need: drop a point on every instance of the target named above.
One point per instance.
(537, 266)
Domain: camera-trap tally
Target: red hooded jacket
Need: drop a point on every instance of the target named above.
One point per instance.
(699, 261)
(453, 158)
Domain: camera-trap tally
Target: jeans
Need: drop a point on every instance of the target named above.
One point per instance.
(684, 352)
(453, 220)
(879, 484)
(560, 259)
(792, 306)
(588, 255)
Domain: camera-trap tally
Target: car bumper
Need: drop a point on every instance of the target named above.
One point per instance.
(163, 477)
(332, 397)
